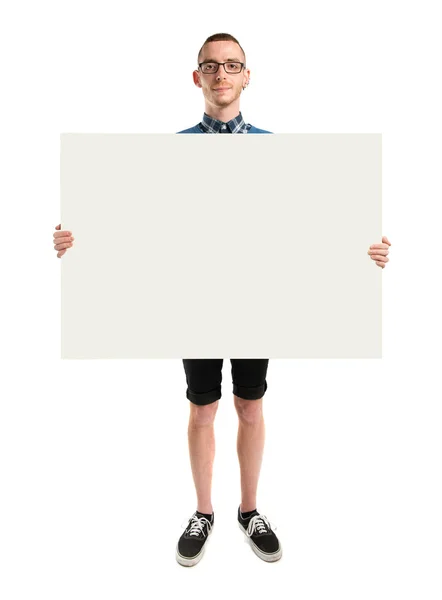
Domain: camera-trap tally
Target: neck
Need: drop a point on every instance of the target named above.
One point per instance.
(222, 113)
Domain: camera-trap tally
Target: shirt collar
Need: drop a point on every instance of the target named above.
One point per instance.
(236, 125)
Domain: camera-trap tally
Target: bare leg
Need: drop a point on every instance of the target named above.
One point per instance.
(250, 447)
(201, 438)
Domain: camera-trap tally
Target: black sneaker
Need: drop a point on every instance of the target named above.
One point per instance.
(261, 537)
(190, 547)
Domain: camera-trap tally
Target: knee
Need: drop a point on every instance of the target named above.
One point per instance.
(249, 411)
(202, 416)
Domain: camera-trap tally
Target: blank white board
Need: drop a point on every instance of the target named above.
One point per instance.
(221, 246)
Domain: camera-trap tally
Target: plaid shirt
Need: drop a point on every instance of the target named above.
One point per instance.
(236, 125)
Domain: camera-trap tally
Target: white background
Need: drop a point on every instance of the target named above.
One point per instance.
(94, 467)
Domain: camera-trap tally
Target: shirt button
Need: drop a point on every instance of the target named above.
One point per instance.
(223, 127)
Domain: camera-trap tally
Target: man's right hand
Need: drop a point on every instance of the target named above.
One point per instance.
(62, 241)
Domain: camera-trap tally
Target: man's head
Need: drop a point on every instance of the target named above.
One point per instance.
(221, 48)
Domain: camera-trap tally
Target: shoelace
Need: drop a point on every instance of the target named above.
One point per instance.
(260, 523)
(196, 527)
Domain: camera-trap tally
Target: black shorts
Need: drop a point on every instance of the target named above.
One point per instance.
(204, 377)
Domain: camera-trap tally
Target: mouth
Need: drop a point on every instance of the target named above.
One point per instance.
(223, 89)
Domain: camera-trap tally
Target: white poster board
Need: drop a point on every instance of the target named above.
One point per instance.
(221, 246)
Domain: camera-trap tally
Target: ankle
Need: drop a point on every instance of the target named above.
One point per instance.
(245, 508)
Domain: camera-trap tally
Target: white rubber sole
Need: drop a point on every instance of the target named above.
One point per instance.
(263, 555)
(190, 562)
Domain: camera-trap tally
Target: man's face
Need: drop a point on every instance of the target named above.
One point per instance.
(222, 51)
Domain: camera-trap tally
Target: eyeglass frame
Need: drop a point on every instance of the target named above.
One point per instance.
(243, 66)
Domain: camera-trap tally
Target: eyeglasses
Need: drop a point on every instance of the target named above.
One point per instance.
(229, 67)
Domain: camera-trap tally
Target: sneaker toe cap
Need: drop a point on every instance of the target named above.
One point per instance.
(268, 544)
(189, 547)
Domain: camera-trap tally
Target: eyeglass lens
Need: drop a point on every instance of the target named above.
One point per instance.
(231, 67)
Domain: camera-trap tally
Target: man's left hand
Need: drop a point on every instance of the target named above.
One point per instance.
(378, 252)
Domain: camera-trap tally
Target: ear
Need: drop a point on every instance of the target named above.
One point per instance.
(196, 79)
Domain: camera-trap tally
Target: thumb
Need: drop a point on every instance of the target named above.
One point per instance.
(385, 240)
(58, 226)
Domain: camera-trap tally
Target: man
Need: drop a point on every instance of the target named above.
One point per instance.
(222, 75)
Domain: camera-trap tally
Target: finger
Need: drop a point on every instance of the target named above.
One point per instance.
(63, 240)
(60, 254)
(384, 246)
(59, 234)
(61, 246)
(385, 239)
(378, 251)
(380, 258)
(379, 264)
